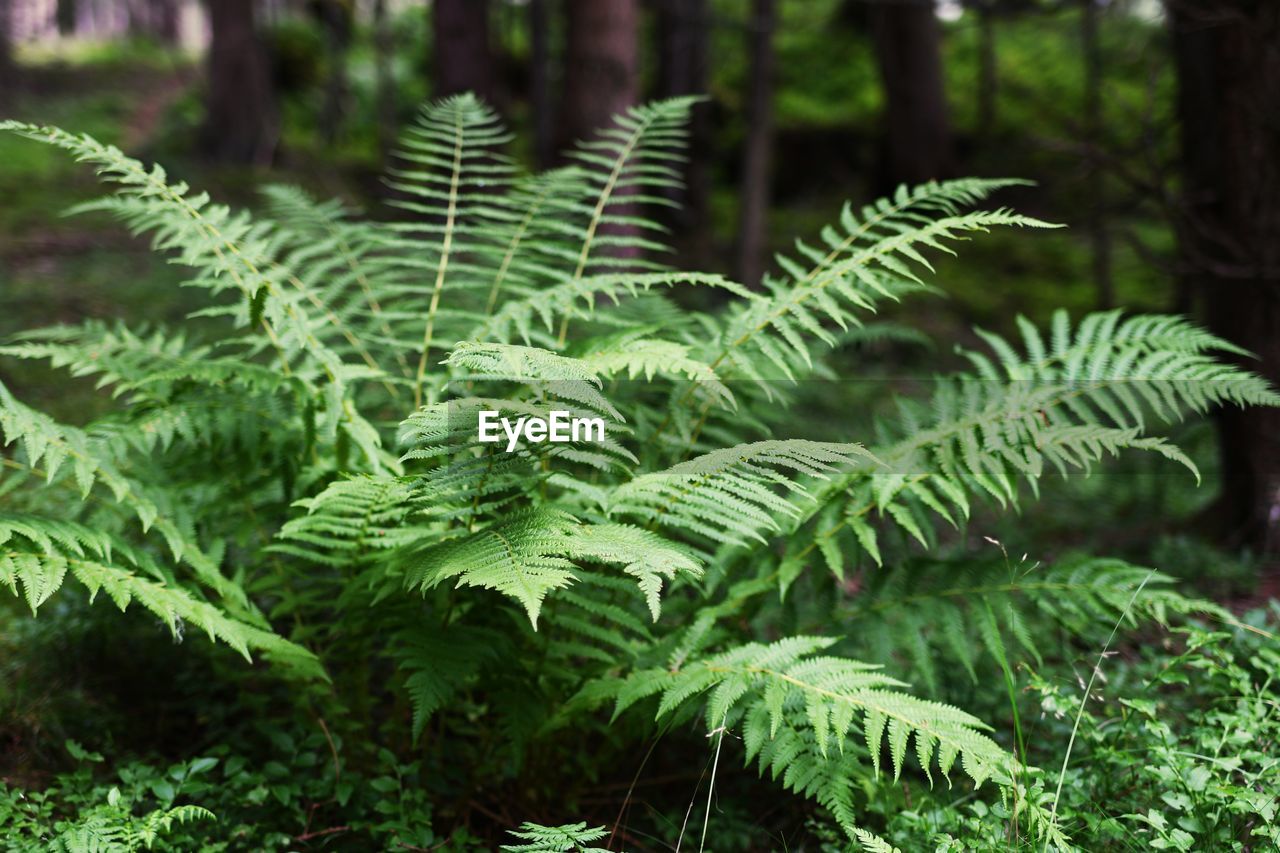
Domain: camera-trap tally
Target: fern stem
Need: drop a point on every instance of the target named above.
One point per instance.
(446, 247)
(513, 247)
(597, 215)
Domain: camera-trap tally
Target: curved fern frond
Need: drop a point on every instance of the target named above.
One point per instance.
(37, 554)
(790, 698)
(228, 251)
(1060, 406)
(866, 260)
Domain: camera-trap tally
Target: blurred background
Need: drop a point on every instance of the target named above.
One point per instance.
(1149, 127)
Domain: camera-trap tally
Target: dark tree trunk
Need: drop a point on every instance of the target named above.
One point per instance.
(683, 30)
(241, 124)
(335, 17)
(988, 70)
(601, 65)
(757, 154)
(7, 71)
(65, 16)
(1099, 235)
(460, 50)
(908, 47)
(540, 84)
(1228, 61)
(164, 20)
(385, 86)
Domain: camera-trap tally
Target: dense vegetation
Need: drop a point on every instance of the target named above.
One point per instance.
(764, 564)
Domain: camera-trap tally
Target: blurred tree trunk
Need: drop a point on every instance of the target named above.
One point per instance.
(1228, 62)
(7, 70)
(540, 84)
(65, 16)
(336, 20)
(462, 60)
(241, 124)
(988, 69)
(908, 47)
(385, 88)
(601, 65)
(1099, 235)
(164, 20)
(683, 30)
(757, 154)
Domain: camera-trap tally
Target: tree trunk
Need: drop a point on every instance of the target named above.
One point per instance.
(757, 154)
(683, 30)
(1099, 236)
(335, 17)
(385, 94)
(65, 16)
(7, 70)
(1228, 60)
(540, 84)
(164, 20)
(988, 70)
(241, 125)
(908, 47)
(462, 60)
(601, 65)
(6, 40)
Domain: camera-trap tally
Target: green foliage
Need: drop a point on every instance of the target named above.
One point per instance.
(298, 474)
(1174, 754)
(570, 838)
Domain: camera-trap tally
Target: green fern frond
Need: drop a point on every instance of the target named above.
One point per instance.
(646, 556)
(831, 702)
(953, 610)
(1062, 405)
(533, 317)
(568, 838)
(438, 662)
(523, 557)
(349, 522)
(861, 263)
(54, 450)
(228, 251)
(733, 493)
(37, 554)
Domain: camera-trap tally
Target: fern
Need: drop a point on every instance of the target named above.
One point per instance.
(298, 474)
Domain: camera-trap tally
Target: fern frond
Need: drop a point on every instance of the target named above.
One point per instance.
(568, 838)
(532, 318)
(733, 493)
(866, 260)
(1065, 405)
(228, 251)
(953, 610)
(790, 696)
(438, 662)
(522, 557)
(37, 554)
(644, 555)
(89, 459)
(349, 521)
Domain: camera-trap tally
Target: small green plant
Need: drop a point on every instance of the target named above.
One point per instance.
(297, 475)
